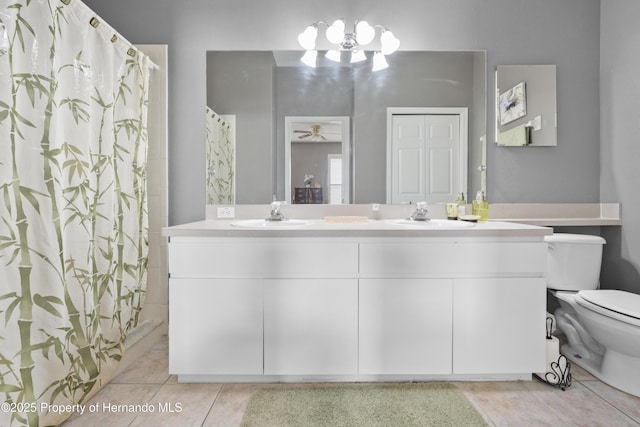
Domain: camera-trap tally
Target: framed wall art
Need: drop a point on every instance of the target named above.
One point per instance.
(513, 104)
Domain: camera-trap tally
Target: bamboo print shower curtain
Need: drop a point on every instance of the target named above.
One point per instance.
(73, 220)
(220, 160)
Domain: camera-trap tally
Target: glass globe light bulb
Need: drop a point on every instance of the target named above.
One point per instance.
(333, 55)
(307, 38)
(364, 33)
(335, 33)
(309, 58)
(379, 62)
(358, 56)
(389, 43)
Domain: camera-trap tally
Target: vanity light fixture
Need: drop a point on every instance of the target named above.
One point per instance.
(379, 62)
(362, 35)
(309, 57)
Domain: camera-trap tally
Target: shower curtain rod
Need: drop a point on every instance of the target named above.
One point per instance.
(95, 22)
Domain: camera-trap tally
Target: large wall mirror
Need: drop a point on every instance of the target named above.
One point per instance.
(262, 89)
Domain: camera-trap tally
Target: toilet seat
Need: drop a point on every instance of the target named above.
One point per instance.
(620, 305)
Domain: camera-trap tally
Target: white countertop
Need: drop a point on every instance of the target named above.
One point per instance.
(558, 214)
(504, 220)
(369, 228)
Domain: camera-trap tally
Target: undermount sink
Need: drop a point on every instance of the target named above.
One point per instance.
(433, 223)
(264, 224)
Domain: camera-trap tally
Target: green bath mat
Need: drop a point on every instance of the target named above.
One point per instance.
(346, 405)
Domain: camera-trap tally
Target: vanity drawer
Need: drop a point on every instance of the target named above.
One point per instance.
(450, 259)
(262, 258)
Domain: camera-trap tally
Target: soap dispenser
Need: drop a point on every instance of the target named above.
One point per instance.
(480, 207)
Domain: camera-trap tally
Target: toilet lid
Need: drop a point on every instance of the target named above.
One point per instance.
(622, 302)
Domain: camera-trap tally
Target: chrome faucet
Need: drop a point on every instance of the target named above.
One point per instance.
(421, 212)
(276, 214)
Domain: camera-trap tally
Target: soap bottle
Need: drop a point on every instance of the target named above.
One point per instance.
(462, 205)
(480, 207)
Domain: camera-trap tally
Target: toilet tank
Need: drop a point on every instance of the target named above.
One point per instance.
(573, 261)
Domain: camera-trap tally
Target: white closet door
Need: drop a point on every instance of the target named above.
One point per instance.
(425, 152)
(442, 145)
(407, 164)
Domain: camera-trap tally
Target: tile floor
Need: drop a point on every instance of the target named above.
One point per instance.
(588, 402)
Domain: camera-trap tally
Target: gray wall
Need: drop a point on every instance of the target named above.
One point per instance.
(565, 33)
(620, 140)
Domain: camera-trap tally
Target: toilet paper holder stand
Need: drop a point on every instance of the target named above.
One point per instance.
(560, 370)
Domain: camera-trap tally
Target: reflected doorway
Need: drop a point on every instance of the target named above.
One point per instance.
(317, 159)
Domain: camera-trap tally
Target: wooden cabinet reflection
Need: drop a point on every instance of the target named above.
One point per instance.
(308, 195)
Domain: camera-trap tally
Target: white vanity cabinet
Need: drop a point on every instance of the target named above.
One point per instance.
(262, 306)
(364, 305)
(465, 307)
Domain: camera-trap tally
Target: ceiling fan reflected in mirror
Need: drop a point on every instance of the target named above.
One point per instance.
(316, 132)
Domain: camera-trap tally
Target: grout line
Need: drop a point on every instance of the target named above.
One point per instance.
(210, 411)
(604, 399)
(469, 395)
(148, 401)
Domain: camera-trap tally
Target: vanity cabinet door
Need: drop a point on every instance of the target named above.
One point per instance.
(405, 326)
(499, 325)
(215, 326)
(311, 327)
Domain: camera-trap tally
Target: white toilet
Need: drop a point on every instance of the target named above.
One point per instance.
(602, 326)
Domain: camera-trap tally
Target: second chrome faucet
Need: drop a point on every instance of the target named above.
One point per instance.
(276, 213)
(421, 213)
